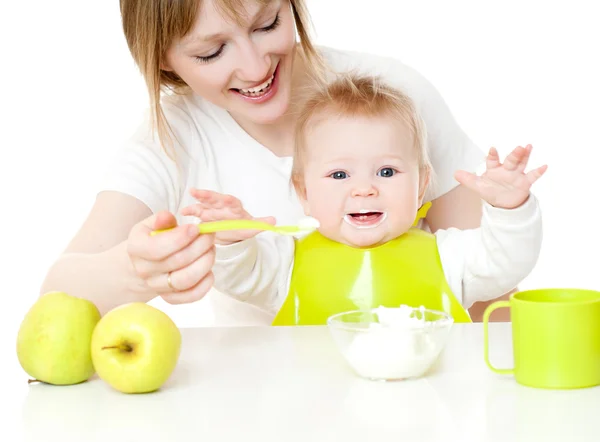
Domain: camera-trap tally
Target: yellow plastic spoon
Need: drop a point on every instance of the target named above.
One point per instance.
(304, 225)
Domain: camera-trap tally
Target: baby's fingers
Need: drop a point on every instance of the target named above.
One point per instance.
(193, 210)
(267, 219)
(218, 214)
(535, 174)
(215, 199)
(524, 158)
(493, 159)
(201, 194)
(467, 179)
(514, 158)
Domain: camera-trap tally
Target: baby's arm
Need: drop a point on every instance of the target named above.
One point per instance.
(249, 266)
(255, 270)
(484, 263)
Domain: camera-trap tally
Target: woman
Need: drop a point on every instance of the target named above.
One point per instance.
(234, 70)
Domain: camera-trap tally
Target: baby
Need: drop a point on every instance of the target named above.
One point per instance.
(361, 169)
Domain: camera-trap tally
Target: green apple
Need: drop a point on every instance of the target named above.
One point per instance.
(53, 343)
(135, 348)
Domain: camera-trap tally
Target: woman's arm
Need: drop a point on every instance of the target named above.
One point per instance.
(98, 264)
(95, 264)
(462, 208)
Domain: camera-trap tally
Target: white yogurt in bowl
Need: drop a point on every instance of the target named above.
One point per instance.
(390, 343)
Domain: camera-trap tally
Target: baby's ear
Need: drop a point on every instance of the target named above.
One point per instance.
(301, 192)
(305, 207)
(300, 189)
(424, 179)
(298, 184)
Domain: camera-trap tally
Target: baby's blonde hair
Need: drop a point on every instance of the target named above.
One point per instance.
(353, 95)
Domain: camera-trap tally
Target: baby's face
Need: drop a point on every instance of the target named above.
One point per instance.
(362, 179)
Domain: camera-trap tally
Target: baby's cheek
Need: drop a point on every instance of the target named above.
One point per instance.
(402, 223)
(320, 207)
(328, 219)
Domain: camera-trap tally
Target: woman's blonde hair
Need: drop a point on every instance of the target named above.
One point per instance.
(151, 26)
(352, 95)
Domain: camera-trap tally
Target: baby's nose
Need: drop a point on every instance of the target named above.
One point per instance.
(364, 191)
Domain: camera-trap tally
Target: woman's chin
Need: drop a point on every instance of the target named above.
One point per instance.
(265, 114)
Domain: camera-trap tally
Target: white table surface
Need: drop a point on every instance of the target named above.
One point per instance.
(291, 384)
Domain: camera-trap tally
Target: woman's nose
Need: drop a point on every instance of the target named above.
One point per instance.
(253, 65)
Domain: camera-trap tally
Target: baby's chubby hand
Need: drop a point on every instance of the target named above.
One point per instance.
(503, 185)
(215, 206)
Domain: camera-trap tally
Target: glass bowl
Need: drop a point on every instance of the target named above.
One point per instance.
(390, 343)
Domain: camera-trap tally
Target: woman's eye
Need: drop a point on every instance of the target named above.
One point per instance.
(386, 172)
(273, 25)
(211, 57)
(339, 175)
(208, 58)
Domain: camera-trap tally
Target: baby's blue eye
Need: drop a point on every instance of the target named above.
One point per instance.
(386, 172)
(339, 175)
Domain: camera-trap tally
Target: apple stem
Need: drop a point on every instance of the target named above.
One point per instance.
(31, 381)
(123, 347)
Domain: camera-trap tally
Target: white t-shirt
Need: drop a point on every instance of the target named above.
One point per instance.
(479, 264)
(217, 154)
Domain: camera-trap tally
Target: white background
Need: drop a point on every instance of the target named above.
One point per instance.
(513, 72)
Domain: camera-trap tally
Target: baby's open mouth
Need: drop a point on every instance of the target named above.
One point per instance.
(365, 219)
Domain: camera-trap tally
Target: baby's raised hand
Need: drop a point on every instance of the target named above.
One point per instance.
(215, 206)
(504, 185)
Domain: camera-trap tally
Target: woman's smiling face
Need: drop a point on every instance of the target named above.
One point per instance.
(244, 68)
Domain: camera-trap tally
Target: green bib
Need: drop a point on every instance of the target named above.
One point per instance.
(329, 278)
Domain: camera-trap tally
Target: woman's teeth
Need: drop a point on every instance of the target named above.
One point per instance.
(258, 90)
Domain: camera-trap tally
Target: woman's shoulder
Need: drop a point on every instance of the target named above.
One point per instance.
(178, 138)
(339, 57)
(186, 118)
(155, 170)
(387, 67)
(391, 70)
(183, 108)
(196, 117)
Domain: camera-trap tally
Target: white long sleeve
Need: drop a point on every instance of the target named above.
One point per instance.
(485, 263)
(257, 270)
(479, 264)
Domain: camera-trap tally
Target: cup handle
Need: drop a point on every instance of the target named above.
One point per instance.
(486, 318)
